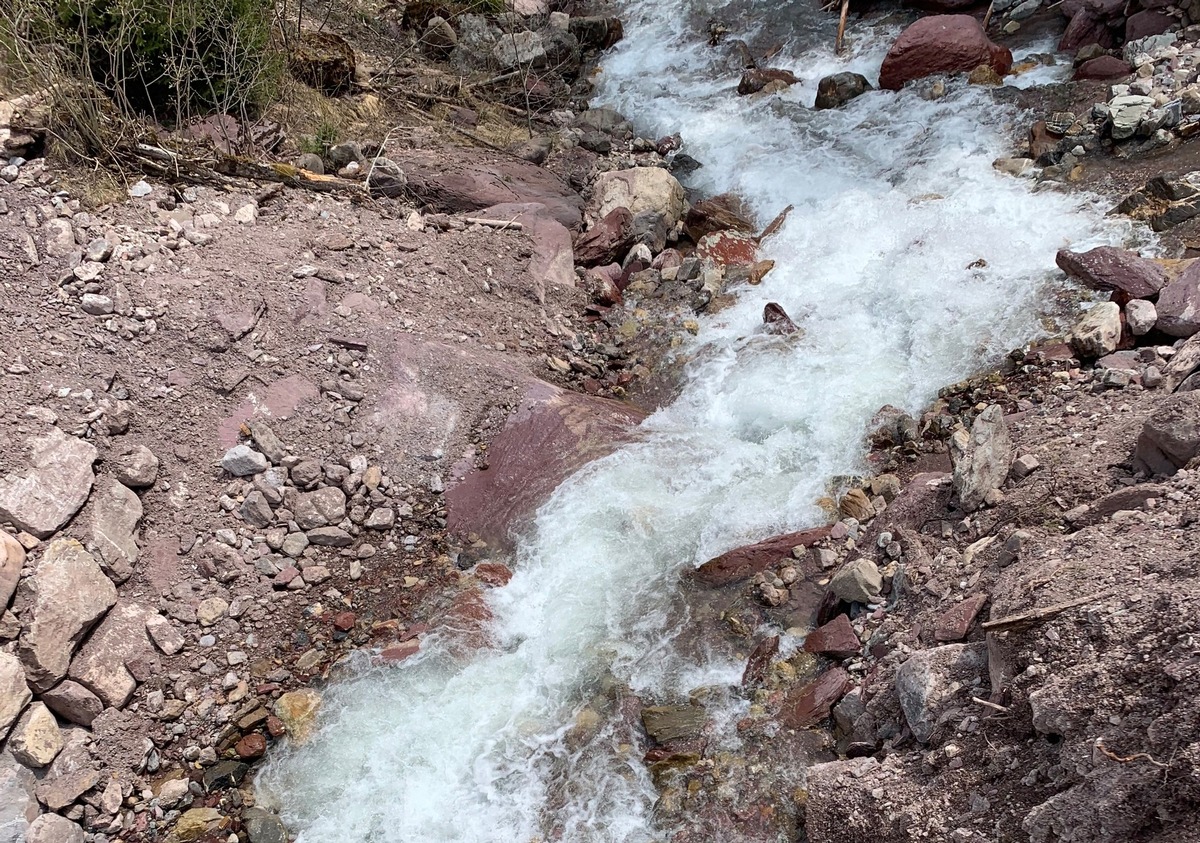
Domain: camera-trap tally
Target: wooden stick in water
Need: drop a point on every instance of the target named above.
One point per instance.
(988, 17)
(837, 45)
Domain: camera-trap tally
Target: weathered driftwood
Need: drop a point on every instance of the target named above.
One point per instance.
(234, 171)
(1033, 616)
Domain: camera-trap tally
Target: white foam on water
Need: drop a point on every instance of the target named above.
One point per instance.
(908, 260)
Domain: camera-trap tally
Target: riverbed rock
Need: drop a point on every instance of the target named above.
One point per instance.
(472, 180)
(73, 703)
(858, 581)
(263, 827)
(744, 562)
(550, 434)
(756, 79)
(1107, 268)
(298, 712)
(320, 508)
(12, 559)
(71, 774)
(53, 488)
(52, 828)
(1126, 114)
(981, 458)
(120, 640)
(14, 692)
(837, 89)
(244, 461)
(811, 703)
(116, 514)
(639, 189)
(666, 723)
(1140, 316)
(63, 600)
(836, 638)
(198, 824)
(941, 44)
(18, 805)
(1170, 437)
(930, 681)
(1103, 67)
(607, 240)
(1178, 308)
(723, 212)
(36, 739)
(1098, 331)
(136, 466)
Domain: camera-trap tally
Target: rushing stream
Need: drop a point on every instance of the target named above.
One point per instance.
(896, 203)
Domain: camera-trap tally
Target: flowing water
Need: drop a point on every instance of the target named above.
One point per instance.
(896, 205)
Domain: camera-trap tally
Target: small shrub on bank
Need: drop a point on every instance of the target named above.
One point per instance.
(169, 60)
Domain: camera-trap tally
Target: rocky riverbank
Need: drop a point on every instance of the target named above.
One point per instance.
(251, 430)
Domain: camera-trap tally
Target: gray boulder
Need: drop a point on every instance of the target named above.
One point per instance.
(57, 484)
(981, 458)
(932, 681)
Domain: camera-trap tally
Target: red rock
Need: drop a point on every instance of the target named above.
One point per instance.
(251, 746)
(941, 44)
(1108, 268)
(944, 7)
(399, 652)
(601, 287)
(667, 259)
(755, 80)
(742, 563)
(1179, 305)
(836, 638)
(553, 262)
(777, 321)
(811, 704)
(728, 248)
(492, 573)
(344, 621)
(1086, 27)
(606, 241)
(1103, 67)
(955, 623)
(476, 179)
(723, 212)
(760, 661)
(275, 727)
(1146, 23)
(550, 434)
(285, 576)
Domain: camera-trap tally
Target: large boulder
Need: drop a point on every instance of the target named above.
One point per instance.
(607, 241)
(1178, 305)
(941, 44)
(120, 642)
(756, 79)
(982, 458)
(639, 189)
(472, 181)
(18, 804)
(550, 434)
(1103, 67)
(552, 264)
(931, 681)
(12, 559)
(1109, 269)
(723, 212)
(1170, 437)
(116, 513)
(64, 598)
(14, 692)
(744, 562)
(53, 489)
(1098, 331)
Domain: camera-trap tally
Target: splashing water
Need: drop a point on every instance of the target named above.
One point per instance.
(908, 260)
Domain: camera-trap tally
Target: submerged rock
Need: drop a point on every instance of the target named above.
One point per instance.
(755, 80)
(838, 89)
(941, 44)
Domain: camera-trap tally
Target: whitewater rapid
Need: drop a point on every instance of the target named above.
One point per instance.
(907, 259)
